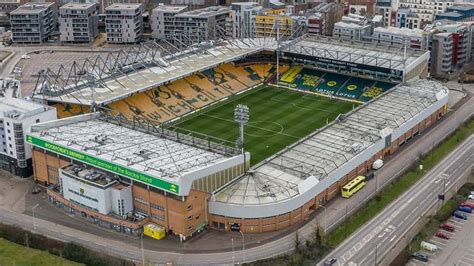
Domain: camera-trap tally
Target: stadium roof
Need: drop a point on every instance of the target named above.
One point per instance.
(117, 76)
(371, 54)
(329, 151)
(159, 153)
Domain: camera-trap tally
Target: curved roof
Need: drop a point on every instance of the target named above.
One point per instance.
(292, 177)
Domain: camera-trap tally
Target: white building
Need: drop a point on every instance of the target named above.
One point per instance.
(96, 190)
(124, 23)
(412, 38)
(418, 13)
(352, 27)
(16, 117)
(78, 22)
(162, 20)
(244, 17)
(33, 23)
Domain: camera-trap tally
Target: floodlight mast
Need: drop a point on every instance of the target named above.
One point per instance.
(241, 116)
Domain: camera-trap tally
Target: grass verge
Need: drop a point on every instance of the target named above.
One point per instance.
(14, 254)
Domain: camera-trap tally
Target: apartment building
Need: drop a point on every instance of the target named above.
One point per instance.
(243, 15)
(321, 19)
(124, 23)
(163, 19)
(33, 23)
(196, 4)
(441, 55)
(384, 8)
(78, 23)
(7, 6)
(16, 116)
(412, 38)
(352, 27)
(418, 13)
(458, 13)
(200, 25)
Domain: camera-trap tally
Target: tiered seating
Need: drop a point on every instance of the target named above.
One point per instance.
(291, 74)
(375, 90)
(184, 95)
(66, 110)
(354, 88)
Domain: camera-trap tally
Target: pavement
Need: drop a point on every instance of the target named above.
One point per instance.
(457, 250)
(370, 243)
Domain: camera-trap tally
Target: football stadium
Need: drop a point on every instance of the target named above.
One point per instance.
(149, 134)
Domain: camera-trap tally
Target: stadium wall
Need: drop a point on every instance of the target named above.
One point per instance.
(270, 217)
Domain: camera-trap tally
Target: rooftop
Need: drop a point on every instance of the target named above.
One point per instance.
(20, 107)
(122, 6)
(462, 7)
(325, 152)
(371, 54)
(400, 31)
(205, 12)
(144, 152)
(167, 8)
(78, 6)
(31, 8)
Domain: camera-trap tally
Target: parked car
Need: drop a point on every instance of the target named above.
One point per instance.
(471, 197)
(447, 227)
(460, 215)
(467, 204)
(442, 235)
(421, 256)
(330, 261)
(36, 190)
(465, 209)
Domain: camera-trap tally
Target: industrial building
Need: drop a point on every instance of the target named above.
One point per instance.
(78, 23)
(16, 117)
(33, 23)
(124, 23)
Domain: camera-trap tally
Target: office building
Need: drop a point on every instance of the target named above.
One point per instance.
(33, 23)
(124, 23)
(78, 23)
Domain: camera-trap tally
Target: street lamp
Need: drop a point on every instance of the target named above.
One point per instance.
(143, 250)
(34, 219)
(241, 116)
(243, 246)
(325, 218)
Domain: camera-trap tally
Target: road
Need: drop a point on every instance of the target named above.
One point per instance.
(368, 245)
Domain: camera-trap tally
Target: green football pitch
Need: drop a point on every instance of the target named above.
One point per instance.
(278, 118)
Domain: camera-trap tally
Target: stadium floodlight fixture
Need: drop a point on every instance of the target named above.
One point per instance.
(241, 114)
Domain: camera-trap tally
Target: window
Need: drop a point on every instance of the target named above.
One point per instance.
(190, 217)
(37, 120)
(142, 201)
(190, 207)
(156, 206)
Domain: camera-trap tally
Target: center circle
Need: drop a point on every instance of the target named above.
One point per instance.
(263, 128)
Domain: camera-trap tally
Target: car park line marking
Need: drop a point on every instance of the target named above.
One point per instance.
(470, 255)
(382, 235)
(457, 222)
(391, 239)
(438, 243)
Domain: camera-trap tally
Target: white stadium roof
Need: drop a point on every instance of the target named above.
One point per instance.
(329, 153)
(120, 75)
(161, 154)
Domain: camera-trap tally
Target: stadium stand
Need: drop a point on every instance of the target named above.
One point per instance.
(193, 92)
(67, 110)
(353, 88)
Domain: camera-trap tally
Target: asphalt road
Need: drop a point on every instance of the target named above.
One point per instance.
(368, 245)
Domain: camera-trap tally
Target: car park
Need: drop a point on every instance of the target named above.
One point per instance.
(442, 235)
(467, 204)
(421, 256)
